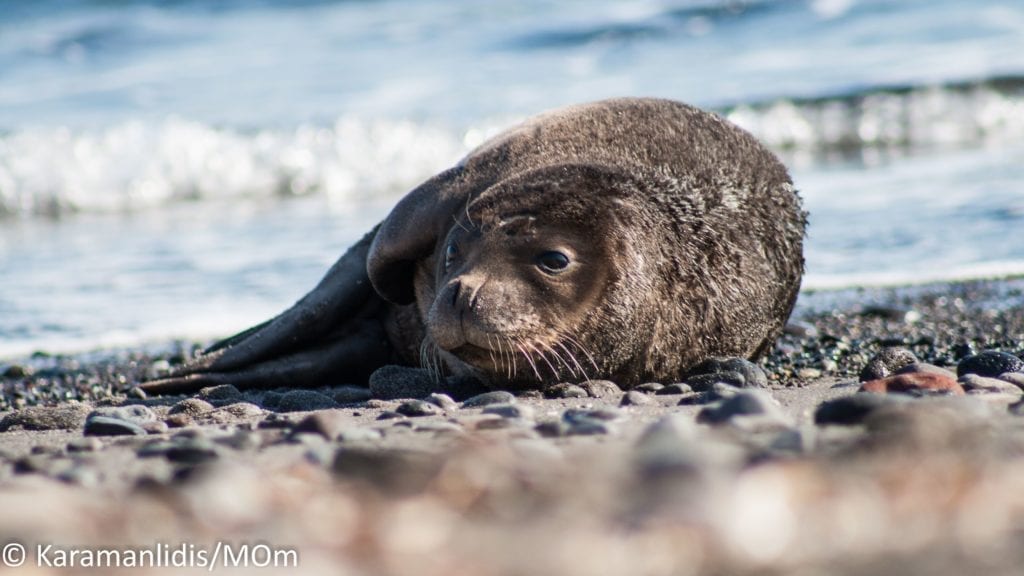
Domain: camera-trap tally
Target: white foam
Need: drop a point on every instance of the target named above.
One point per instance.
(137, 165)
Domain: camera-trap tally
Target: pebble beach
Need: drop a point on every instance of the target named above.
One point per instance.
(883, 435)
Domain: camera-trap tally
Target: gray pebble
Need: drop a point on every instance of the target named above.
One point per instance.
(108, 426)
(158, 427)
(358, 434)
(703, 382)
(925, 368)
(191, 406)
(990, 363)
(565, 390)
(552, 428)
(674, 389)
(587, 427)
(304, 401)
(601, 388)
(489, 398)
(389, 415)
(417, 408)
(886, 363)
(494, 424)
(132, 413)
(976, 383)
(350, 394)
(746, 403)
(649, 387)
(801, 329)
(241, 440)
(242, 410)
(137, 393)
(275, 420)
(155, 448)
(606, 414)
(192, 451)
(634, 398)
(751, 374)
(1015, 378)
(80, 475)
(327, 423)
(69, 416)
(394, 382)
(520, 411)
(443, 401)
(84, 444)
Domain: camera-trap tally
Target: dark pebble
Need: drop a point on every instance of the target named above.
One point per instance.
(394, 382)
(489, 398)
(850, 410)
(674, 389)
(587, 427)
(400, 472)
(270, 399)
(241, 440)
(462, 387)
(108, 426)
(565, 390)
(305, 400)
(16, 371)
(887, 362)
(752, 374)
(634, 398)
(192, 451)
(137, 393)
(417, 408)
(746, 403)
(178, 420)
(704, 382)
(220, 394)
(389, 415)
(649, 387)
(601, 388)
(552, 428)
(990, 364)
(894, 313)
(350, 394)
(573, 415)
(801, 329)
(275, 420)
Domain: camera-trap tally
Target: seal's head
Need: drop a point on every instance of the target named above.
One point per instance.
(529, 271)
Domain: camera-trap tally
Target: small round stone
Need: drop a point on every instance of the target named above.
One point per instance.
(134, 413)
(304, 401)
(85, 444)
(443, 401)
(990, 363)
(220, 394)
(704, 382)
(887, 362)
(649, 387)
(552, 428)
(192, 407)
(975, 383)
(746, 403)
(390, 415)
(1015, 378)
(108, 426)
(327, 423)
(350, 394)
(850, 410)
(417, 408)
(565, 390)
(489, 398)
(515, 411)
(674, 389)
(69, 416)
(601, 388)
(751, 374)
(587, 427)
(192, 451)
(606, 414)
(395, 382)
(634, 398)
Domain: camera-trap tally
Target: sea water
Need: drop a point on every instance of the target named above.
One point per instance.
(183, 169)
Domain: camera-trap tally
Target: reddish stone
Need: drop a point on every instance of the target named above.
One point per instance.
(913, 381)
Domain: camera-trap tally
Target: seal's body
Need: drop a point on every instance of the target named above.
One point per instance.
(626, 239)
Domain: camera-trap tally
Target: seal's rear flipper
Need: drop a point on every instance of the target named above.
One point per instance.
(348, 356)
(282, 349)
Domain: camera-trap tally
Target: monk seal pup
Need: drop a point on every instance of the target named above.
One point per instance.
(626, 239)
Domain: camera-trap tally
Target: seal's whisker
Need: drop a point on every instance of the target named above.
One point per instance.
(544, 357)
(561, 360)
(526, 349)
(572, 357)
(568, 338)
(512, 354)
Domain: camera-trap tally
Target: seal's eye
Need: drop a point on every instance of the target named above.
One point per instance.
(450, 253)
(552, 262)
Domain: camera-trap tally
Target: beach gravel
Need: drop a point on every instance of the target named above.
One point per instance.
(990, 363)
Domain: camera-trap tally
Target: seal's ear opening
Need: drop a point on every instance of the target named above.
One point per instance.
(409, 234)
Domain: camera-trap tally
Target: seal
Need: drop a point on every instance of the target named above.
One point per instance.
(625, 239)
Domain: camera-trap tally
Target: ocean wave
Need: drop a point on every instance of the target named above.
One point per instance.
(135, 165)
(927, 115)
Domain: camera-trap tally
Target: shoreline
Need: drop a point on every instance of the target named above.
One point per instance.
(801, 476)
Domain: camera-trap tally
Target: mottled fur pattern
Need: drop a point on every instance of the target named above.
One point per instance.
(704, 231)
(686, 237)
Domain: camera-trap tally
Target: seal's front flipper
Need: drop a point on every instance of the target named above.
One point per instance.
(347, 356)
(340, 303)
